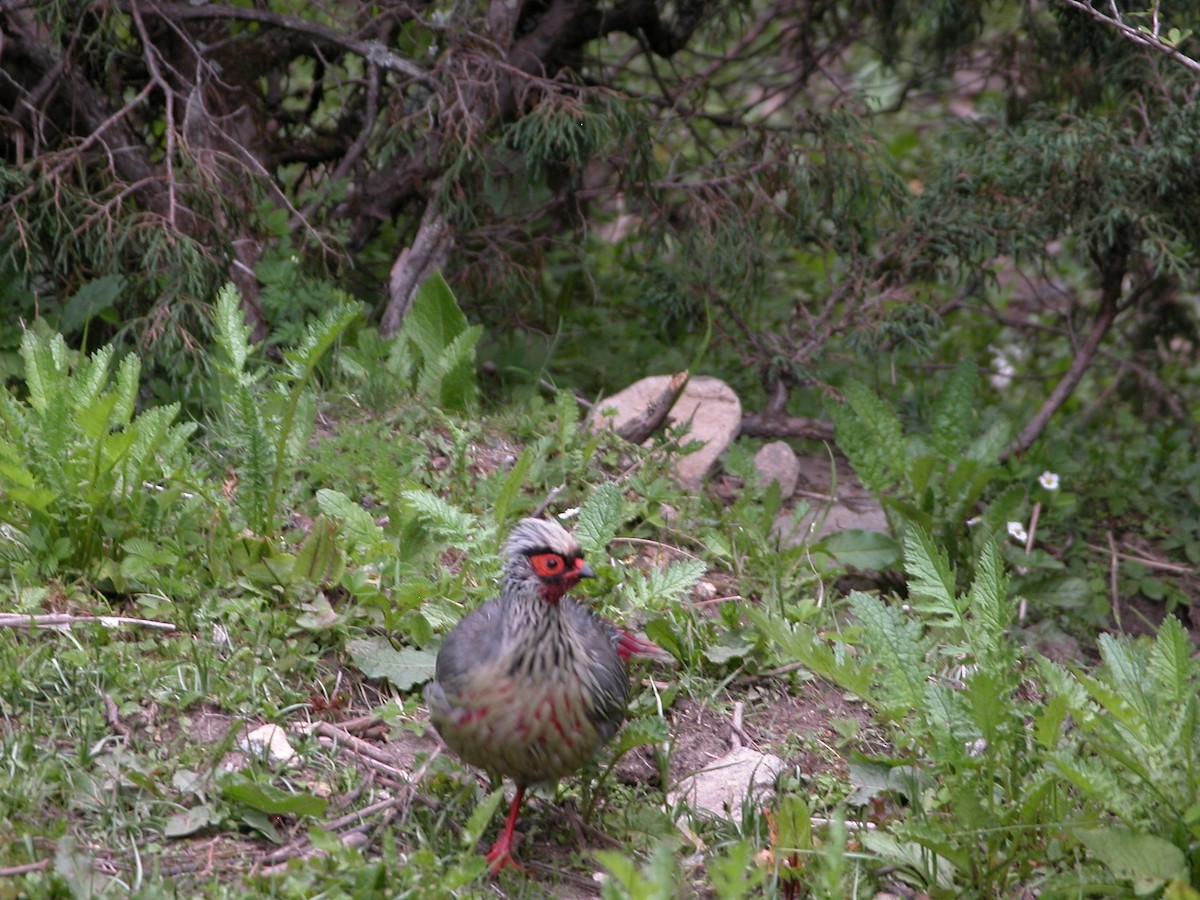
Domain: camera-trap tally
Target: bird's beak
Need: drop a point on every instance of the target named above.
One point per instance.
(584, 570)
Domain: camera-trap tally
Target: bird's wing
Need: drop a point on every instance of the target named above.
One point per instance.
(473, 643)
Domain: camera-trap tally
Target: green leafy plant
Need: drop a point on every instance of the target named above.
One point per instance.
(268, 413)
(1127, 737)
(435, 349)
(87, 482)
(933, 480)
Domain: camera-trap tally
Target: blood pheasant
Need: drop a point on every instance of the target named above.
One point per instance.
(531, 684)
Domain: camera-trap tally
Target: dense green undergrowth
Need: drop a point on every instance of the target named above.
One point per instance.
(335, 512)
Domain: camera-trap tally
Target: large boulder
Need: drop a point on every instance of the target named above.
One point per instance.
(709, 404)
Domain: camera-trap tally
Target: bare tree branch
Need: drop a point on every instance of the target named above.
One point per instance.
(1149, 40)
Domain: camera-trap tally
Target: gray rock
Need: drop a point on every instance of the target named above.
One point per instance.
(720, 788)
(777, 461)
(709, 404)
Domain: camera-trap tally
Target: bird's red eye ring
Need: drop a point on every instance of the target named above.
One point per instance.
(547, 565)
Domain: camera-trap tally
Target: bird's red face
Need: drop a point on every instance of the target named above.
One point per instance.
(558, 573)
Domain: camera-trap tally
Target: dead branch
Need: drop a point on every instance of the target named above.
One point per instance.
(648, 421)
(416, 263)
(804, 428)
(1110, 304)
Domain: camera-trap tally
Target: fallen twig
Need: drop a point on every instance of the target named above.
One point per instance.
(9, 871)
(649, 543)
(1114, 566)
(113, 715)
(1160, 565)
(66, 620)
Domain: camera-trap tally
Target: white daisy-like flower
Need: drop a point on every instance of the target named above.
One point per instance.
(569, 513)
(1049, 480)
(1017, 531)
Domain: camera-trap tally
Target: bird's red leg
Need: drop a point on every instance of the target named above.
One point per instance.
(500, 856)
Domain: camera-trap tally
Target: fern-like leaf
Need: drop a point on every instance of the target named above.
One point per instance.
(439, 516)
(1171, 664)
(931, 580)
(896, 647)
(954, 411)
(232, 333)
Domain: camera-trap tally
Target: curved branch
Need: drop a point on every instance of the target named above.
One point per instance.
(1150, 40)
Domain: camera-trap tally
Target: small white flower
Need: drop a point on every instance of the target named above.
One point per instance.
(1003, 371)
(1049, 480)
(1017, 531)
(569, 513)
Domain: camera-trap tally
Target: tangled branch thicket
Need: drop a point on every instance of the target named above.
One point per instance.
(727, 153)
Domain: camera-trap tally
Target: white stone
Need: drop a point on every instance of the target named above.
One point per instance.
(269, 741)
(777, 461)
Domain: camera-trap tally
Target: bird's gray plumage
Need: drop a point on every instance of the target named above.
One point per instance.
(530, 685)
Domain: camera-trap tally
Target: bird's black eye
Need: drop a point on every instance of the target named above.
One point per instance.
(547, 564)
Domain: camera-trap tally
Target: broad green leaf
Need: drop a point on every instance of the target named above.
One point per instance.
(319, 560)
(435, 320)
(1147, 860)
(511, 488)
(356, 523)
(190, 821)
(405, 669)
(271, 800)
(89, 301)
(862, 549)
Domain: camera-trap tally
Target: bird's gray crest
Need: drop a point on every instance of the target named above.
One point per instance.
(537, 534)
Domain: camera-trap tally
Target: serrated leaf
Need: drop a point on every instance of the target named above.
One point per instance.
(1171, 664)
(863, 549)
(480, 817)
(639, 732)
(356, 524)
(930, 576)
(232, 332)
(439, 516)
(405, 669)
(954, 411)
(599, 518)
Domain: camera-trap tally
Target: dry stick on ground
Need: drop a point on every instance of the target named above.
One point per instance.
(9, 871)
(65, 620)
(802, 428)
(1029, 538)
(1149, 563)
(1113, 567)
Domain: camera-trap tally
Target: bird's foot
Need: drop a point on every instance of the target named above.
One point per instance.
(500, 857)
